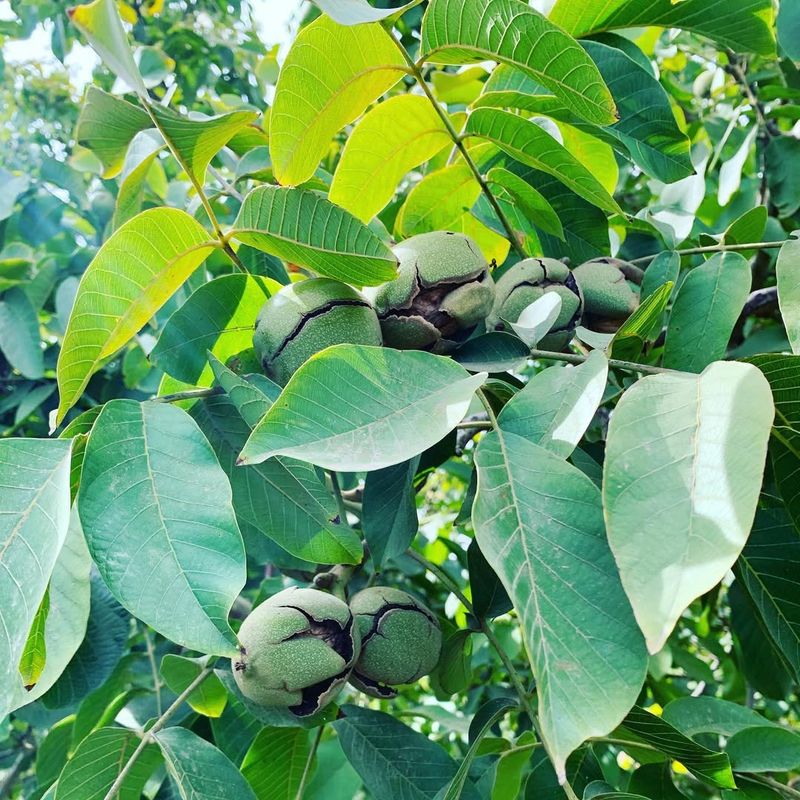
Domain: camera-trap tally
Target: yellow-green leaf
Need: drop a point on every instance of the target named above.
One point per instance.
(331, 75)
(209, 698)
(100, 23)
(34, 655)
(393, 138)
(133, 274)
(196, 141)
(442, 201)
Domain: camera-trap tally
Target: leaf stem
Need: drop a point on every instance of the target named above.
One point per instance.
(149, 735)
(309, 761)
(488, 406)
(416, 72)
(630, 366)
(188, 394)
(713, 248)
(151, 657)
(212, 217)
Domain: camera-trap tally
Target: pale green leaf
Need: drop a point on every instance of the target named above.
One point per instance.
(536, 320)
(68, 615)
(34, 474)
(461, 31)
(199, 770)
(555, 408)
(393, 138)
(357, 12)
(390, 406)
(20, 341)
(331, 74)
(683, 470)
(100, 23)
(219, 318)
(209, 698)
(275, 762)
(300, 226)
(196, 141)
(133, 274)
(705, 310)
(157, 514)
(595, 154)
(539, 522)
(442, 201)
(97, 762)
(739, 24)
(787, 272)
(142, 152)
(526, 142)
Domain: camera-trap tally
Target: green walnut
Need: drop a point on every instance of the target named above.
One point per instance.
(526, 282)
(306, 317)
(443, 289)
(400, 640)
(296, 650)
(607, 295)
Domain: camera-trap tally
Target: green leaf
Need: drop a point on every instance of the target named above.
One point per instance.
(783, 174)
(142, 152)
(53, 751)
(763, 749)
(531, 202)
(739, 24)
(209, 698)
(462, 31)
(705, 311)
(788, 29)
(442, 201)
(282, 499)
(157, 514)
(393, 760)
(275, 762)
(133, 274)
(331, 74)
(390, 406)
(357, 12)
(100, 23)
(235, 730)
(508, 777)
(664, 268)
(767, 570)
(642, 326)
(525, 141)
(495, 351)
(199, 770)
(99, 645)
(299, 226)
(34, 474)
(389, 511)
(533, 510)
(787, 272)
(97, 762)
(555, 408)
(218, 317)
(196, 141)
(453, 673)
(708, 765)
(705, 714)
(683, 469)
(34, 654)
(394, 137)
(489, 597)
(19, 334)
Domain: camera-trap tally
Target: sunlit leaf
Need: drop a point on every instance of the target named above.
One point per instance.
(787, 272)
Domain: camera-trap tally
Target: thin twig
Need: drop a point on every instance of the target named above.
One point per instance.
(630, 366)
(309, 761)
(459, 144)
(149, 735)
(10, 780)
(713, 248)
(151, 657)
(189, 394)
(786, 791)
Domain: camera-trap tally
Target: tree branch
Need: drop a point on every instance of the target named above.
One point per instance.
(713, 248)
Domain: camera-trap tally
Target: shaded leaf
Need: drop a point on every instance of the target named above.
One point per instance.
(19, 334)
(275, 762)
(642, 326)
